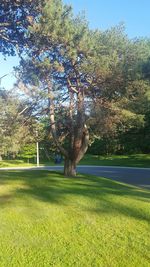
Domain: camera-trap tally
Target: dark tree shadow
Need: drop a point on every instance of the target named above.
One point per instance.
(53, 187)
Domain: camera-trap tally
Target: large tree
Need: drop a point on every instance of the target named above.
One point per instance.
(75, 67)
(72, 69)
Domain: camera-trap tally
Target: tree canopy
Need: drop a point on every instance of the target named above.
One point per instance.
(15, 18)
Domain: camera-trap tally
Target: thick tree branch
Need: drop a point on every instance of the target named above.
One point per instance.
(71, 87)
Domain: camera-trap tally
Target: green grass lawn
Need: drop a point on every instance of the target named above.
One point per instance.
(21, 163)
(136, 160)
(14, 163)
(49, 220)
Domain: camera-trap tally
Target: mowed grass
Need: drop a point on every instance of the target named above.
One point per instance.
(22, 163)
(49, 220)
(15, 163)
(135, 160)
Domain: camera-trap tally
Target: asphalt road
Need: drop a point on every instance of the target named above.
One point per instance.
(135, 176)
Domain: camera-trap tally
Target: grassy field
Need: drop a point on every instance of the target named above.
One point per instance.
(49, 220)
(136, 160)
(21, 163)
(14, 163)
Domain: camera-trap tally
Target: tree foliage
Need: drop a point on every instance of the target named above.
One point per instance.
(15, 18)
(17, 125)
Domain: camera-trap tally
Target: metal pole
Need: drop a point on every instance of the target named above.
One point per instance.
(37, 151)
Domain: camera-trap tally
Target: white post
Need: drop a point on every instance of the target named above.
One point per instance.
(37, 150)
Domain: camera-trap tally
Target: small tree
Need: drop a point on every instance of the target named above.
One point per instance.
(28, 152)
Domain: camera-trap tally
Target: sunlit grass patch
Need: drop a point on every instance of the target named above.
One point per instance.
(49, 220)
(135, 160)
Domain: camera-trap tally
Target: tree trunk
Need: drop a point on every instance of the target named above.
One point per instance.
(69, 167)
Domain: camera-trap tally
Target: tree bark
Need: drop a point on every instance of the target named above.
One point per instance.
(78, 132)
(69, 167)
(84, 144)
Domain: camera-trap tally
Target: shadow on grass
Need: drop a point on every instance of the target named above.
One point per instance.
(103, 195)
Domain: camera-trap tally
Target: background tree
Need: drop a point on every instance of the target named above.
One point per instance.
(17, 124)
(130, 109)
(28, 151)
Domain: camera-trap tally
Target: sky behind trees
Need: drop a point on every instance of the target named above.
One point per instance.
(103, 15)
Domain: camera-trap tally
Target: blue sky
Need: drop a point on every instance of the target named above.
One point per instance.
(101, 14)
(6, 67)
